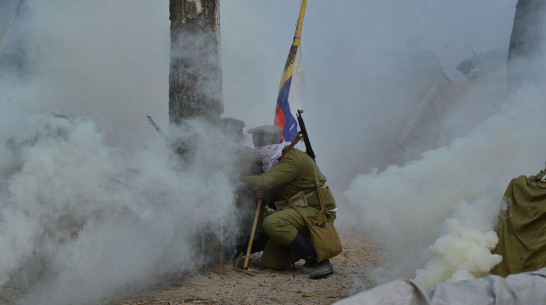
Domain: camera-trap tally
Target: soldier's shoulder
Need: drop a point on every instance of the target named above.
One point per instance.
(248, 153)
(294, 153)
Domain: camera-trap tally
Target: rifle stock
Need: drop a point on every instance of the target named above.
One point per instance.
(305, 135)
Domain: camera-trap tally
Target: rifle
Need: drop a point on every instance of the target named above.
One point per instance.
(305, 135)
(157, 128)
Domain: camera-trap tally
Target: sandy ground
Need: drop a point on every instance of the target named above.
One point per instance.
(232, 285)
(228, 284)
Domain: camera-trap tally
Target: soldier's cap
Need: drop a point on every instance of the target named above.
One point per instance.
(266, 129)
(261, 135)
(233, 125)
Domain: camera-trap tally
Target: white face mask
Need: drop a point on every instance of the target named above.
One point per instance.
(269, 155)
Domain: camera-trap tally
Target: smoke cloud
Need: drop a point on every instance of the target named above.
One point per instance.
(433, 200)
(107, 61)
(90, 219)
(95, 203)
(92, 201)
(435, 215)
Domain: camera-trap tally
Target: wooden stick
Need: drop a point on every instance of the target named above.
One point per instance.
(254, 225)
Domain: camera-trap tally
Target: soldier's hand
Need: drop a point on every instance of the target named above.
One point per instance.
(262, 194)
(268, 211)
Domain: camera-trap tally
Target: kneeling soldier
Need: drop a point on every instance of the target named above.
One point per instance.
(289, 173)
(246, 163)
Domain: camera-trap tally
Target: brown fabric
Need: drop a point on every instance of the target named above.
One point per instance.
(300, 200)
(321, 228)
(293, 173)
(296, 140)
(522, 227)
(324, 235)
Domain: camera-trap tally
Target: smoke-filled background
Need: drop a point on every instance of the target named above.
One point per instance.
(92, 200)
(418, 163)
(105, 174)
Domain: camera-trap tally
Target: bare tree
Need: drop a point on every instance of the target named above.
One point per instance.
(195, 81)
(12, 55)
(195, 89)
(526, 42)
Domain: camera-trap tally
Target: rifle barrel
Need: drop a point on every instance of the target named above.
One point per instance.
(156, 127)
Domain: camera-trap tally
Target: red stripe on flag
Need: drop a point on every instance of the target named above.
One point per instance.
(279, 116)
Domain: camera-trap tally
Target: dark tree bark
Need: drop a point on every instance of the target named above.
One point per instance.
(526, 42)
(195, 91)
(13, 59)
(195, 81)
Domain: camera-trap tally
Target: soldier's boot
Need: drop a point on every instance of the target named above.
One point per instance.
(321, 270)
(258, 245)
(303, 248)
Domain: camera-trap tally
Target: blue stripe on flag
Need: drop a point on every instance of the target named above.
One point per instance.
(290, 128)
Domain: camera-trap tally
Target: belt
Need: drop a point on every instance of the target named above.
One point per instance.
(313, 192)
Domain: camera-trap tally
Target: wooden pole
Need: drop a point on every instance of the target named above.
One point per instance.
(254, 225)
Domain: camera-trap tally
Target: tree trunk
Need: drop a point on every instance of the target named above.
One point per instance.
(12, 54)
(195, 91)
(526, 42)
(195, 79)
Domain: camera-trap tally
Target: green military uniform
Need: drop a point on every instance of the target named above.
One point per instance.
(522, 226)
(246, 163)
(292, 174)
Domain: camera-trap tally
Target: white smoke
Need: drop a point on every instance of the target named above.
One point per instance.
(437, 213)
(105, 65)
(102, 59)
(91, 218)
(360, 97)
(92, 201)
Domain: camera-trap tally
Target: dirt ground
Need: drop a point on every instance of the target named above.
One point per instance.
(233, 285)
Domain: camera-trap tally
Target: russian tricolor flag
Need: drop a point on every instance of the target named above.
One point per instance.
(292, 86)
